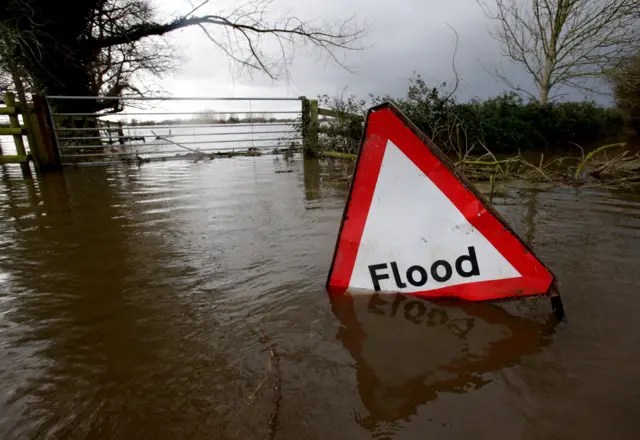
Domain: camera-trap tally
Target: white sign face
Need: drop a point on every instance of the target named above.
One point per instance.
(419, 241)
(412, 225)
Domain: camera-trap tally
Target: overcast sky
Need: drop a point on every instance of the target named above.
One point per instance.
(404, 36)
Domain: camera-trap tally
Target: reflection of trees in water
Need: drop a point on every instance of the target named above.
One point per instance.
(530, 216)
(70, 263)
(88, 297)
(312, 181)
(408, 350)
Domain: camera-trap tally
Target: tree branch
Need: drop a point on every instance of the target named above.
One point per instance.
(143, 30)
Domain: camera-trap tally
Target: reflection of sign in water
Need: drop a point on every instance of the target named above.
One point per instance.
(413, 225)
(407, 350)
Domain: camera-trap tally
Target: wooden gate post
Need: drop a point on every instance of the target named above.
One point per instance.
(304, 121)
(45, 137)
(310, 127)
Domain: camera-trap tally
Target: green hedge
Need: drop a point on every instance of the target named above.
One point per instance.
(505, 124)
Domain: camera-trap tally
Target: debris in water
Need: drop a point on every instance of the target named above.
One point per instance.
(274, 361)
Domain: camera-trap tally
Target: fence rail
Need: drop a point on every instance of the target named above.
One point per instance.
(11, 131)
(98, 115)
(338, 114)
(168, 98)
(256, 124)
(202, 151)
(228, 141)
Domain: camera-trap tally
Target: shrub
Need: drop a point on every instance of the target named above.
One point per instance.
(342, 134)
(503, 124)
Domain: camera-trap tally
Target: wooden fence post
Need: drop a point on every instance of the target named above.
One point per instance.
(305, 120)
(45, 137)
(120, 133)
(310, 127)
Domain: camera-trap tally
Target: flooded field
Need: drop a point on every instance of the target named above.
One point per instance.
(141, 303)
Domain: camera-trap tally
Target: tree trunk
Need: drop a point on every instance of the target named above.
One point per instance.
(68, 79)
(544, 95)
(545, 81)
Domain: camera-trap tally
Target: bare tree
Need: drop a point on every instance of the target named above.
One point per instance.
(564, 42)
(242, 33)
(7, 45)
(117, 70)
(5, 80)
(103, 46)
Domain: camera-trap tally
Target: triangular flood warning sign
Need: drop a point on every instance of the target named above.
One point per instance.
(412, 225)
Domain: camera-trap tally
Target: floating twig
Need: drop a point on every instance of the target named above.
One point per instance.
(532, 166)
(598, 171)
(252, 396)
(274, 366)
(580, 168)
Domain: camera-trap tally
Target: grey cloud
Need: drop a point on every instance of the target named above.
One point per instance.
(405, 36)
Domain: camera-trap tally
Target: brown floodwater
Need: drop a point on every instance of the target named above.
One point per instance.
(141, 303)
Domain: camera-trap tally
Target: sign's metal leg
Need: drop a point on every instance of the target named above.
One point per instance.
(556, 303)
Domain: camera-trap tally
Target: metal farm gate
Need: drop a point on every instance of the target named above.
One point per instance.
(160, 128)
